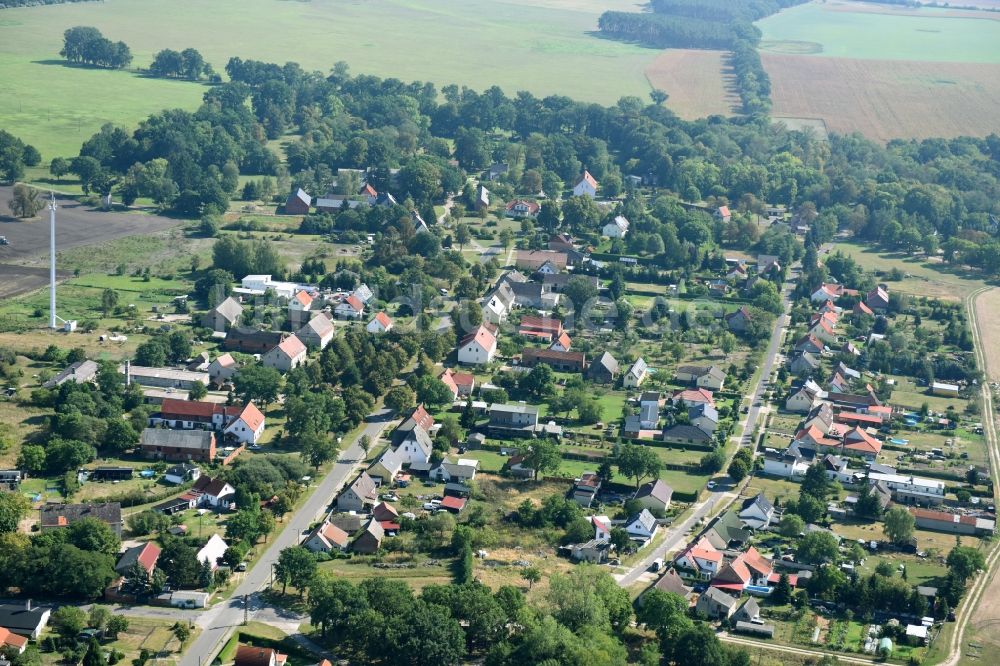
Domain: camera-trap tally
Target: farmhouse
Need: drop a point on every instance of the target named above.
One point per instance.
(604, 370)
(286, 356)
(545, 329)
(222, 369)
(380, 323)
(654, 495)
(361, 495)
(533, 260)
(513, 420)
(478, 347)
(326, 538)
(298, 203)
(350, 308)
(636, 375)
(561, 361)
(617, 228)
(586, 186)
(522, 208)
(57, 516)
(178, 444)
(317, 332)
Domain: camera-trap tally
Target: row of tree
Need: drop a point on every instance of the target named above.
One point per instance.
(87, 46)
(187, 64)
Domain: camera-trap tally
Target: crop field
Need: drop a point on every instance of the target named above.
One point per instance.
(544, 47)
(887, 99)
(988, 315)
(883, 71)
(699, 82)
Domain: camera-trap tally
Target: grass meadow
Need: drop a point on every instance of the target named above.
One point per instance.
(544, 47)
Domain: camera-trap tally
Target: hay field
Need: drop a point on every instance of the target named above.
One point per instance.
(988, 315)
(887, 99)
(544, 47)
(699, 82)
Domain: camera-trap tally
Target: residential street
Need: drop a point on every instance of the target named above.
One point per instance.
(218, 622)
(720, 500)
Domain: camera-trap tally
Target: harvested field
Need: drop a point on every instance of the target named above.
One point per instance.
(887, 99)
(988, 313)
(699, 82)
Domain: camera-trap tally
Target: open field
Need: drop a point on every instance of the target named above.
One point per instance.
(544, 47)
(923, 277)
(850, 30)
(887, 99)
(699, 82)
(988, 315)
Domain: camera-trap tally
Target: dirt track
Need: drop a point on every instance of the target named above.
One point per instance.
(76, 225)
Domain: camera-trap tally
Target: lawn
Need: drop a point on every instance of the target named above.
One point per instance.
(143, 633)
(420, 575)
(839, 30)
(442, 41)
(906, 393)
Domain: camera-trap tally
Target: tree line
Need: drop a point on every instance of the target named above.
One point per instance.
(87, 46)
(187, 64)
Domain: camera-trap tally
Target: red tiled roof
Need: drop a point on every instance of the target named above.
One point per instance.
(449, 502)
(695, 395)
(251, 416)
(292, 346)
(586, 177)
(541, 324)
(304, 298)
(482, 336)
(383, 319)
(355, 303)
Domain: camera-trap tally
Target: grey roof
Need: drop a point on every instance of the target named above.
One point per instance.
(109, 512)
(19, 619)
(759, 500)
(750, 609)
(363, 486)
(608, 362)
(657, 490)
(671, 581)
(645, 519)
(703, 409)
(301, 195)
(720, 597)
(421, 438)
(79, 372)
(514, 409)
(684, 431)
(320, 325)
(200, 440)
(391, 460)
(639, 367)
(338, 202)
(349, 522)
(181, 469)
(230, 309)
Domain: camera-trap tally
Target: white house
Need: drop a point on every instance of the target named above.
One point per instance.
(787, 464)
(286, 356)
(248, 426)
(586, 186)
(617, 228)
(700, 559)
(359, 496)
(463, 470)
(326, 538)
(380, 323)
(642, 526)
(317, 333)
(477, 348)
(416, 446)
(300, 302)
(636, 375)
(222, 369)
(350, 308)
(213, 551)
(213, 492)
(805, 397)
(757, 512)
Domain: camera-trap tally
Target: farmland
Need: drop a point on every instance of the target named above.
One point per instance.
(442, 42)
(699, 82)
(885, 72)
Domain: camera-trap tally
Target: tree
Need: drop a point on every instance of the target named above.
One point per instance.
(98, 618)
(94, 535)
(713, 462)
(317, 448)
(963, 561)
(94, 655)
(579, 292)
(59, 167)
(119, 435)
(14, 508)
(818, 547)
(621, 540)
(25, 201)
(541, 456)
(738, 469)
(197, 391)
(791, 526)
(782, 592)
(898, 524)
(532, 575)
(638, 462)
(816, 482)
(462, 235)
(12, 157)
(117, 624)
(109, 301)
(808, 508)
(296, 566)
(69, 621)
(658, 609)
(182, 633)
(257, 383)
(400, 398)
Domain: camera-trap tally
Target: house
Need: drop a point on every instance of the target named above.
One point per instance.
(686, 434)
(787, 464)
(617, 228)
(336, 204)
(380, 323)
(945, 390)
(737, 272)
(414, 443)
(804, 364)
(716, 604)
(692, 397)
(953, 523)
(182, 473)
(727, 532)
(214, 492)
(364, 293)
(461, 471)
(496, 170)
(248, 341)
(80, 372)
(370, 539)
(300, 302)
(557, 283)
(654, 495)
(11, 643)
(247, 655)
(518, 469)
(757, 512)
(823, 331)
(349, 522)
(820, 417)
(805, 397)
(561, 361)
(585, 489)
(385, 200)
(533, 295)
(858, 442)
(545, 329)
(877, 299)
(671, 582)
(317, 333)
(749, 568)
(704, 417)
(244, 424)
(58, 516)
(10, 479)
(517, 420)
(809, 343)
(604, 370)
(419, 225)
(145, 555)
(168, 378)
(453, 504)
(359, 496)
(708, 377)
(908, 489)
(827, 292)
(258, 285)
(636, 374)
(298, 203)
(700, 560)
(533, 260)
(24, 618)
(522, 208)
(222, 369)
(498, 303)
(369, 193)
(748, 612)
(563, 343)
(462, 384)
(722, 213)
(641, 526)
(287, 356)
(478, 347)
(350, 308)
(861, 309)
(326, 538)
(586, 186)
(387, 467)
(164, 444)
(739, 320)
(482, 197)
(594, 551)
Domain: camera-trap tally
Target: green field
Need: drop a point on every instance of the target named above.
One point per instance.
(928, 34)
(544, 47)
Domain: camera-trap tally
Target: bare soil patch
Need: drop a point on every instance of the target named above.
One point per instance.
(887, 99)
(988, 316)
(700, 82)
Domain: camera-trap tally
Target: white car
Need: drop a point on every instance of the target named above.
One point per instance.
(710, 485)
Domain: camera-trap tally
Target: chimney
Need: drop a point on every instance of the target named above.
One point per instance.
(27, 605)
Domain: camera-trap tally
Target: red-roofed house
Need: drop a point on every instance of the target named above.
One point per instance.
(722, 213)
(459, 383)
(877, 299)
(369, 193)
(300, 302)
(586, 186)
(327, 537)
(692, 397)
(247, 426)
(545, 329)
(380, 323)
(287, 356)
(857, 418)
(243, 423)
(858, 442)
(350, 308)
(453, 504)
(749, 568)
(562, 343)
(739, 320)
(861, 309)
(522, 208)
(700, 560)
(478, 347)
(145, 555)
(11, 641)
(247, 655)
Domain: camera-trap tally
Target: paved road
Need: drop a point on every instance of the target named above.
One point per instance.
(719, 498)
(219, 622)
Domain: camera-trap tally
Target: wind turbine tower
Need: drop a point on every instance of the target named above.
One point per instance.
(52, 262)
